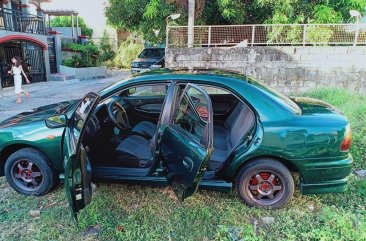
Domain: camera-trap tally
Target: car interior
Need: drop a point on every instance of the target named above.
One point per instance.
(122, 131)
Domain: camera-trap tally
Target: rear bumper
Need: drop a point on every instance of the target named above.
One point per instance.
(335, 186)
(326, 177)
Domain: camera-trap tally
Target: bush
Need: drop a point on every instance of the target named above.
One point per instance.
(73, 62)
(89, 55)
(106, 52)
(126, 53)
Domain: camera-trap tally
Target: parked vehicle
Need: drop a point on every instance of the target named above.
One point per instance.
(149, 58)
(209, 128)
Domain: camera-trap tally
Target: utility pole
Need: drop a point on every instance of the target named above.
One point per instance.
(191, 5)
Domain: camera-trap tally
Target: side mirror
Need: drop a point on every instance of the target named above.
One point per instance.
(56, 121)
(131, 91)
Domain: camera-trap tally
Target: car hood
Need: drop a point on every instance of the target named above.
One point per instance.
(34, 115)
(311, 106)
(145, 60)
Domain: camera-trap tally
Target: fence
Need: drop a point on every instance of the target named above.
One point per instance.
(19, 21)
(269, 34)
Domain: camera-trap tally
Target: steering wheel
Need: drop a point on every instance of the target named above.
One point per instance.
(118, 115)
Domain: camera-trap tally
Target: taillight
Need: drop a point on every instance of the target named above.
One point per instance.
(347, 141)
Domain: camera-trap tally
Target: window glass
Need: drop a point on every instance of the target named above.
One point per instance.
(152, 53)
(148, 90)
(211, 90)
(280, 98)
(192, 114)
(82, 112)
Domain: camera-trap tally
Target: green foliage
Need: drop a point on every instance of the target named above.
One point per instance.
(65, 21)
(126, 53)
(144, 16)
(326, 14)
(73, 62)
(318, 34)
(89, 55)
(232, 10)
(106, 52)
(140, 16)
(229, 233)
(285, 34)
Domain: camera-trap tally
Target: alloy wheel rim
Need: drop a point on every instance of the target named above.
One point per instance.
(265, 187)
(27, 175)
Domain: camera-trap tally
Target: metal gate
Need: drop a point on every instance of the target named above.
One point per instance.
(52, 54)
(32, 61)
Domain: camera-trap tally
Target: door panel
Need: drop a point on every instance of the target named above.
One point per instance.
(185, 144)
(77, 166)
(144, 108)
(145, 102)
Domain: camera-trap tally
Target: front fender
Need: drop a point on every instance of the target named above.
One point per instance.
(46, 140)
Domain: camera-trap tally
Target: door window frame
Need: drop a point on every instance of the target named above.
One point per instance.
(209, 123)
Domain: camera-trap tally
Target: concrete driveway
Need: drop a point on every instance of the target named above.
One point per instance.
(44, 93)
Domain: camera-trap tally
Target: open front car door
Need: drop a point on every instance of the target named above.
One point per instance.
(186, 143)
(77, 166)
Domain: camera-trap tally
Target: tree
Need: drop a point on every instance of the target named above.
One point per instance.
(105, 47)
(65, 21)
(144, 16)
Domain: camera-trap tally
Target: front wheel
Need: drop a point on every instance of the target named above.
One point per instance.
(28, 172)
(265, 182)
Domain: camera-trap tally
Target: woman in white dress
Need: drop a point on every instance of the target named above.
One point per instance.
(17, 71)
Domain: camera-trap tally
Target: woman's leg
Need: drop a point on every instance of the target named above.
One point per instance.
(19, 100)
(26, 94)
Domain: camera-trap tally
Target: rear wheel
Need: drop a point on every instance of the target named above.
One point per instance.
(28, 172)
(265, 182)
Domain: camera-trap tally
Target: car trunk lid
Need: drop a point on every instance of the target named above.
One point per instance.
(311, 106)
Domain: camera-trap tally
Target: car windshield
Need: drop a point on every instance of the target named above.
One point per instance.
(152, 54)
(274, 94)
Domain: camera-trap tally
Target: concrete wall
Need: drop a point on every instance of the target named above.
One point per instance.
(84, 73)
(67, 31)
(288, 69)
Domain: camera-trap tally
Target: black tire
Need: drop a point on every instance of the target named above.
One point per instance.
(265, 183)
(29, 173)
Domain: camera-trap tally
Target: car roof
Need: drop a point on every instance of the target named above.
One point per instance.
(195, 71)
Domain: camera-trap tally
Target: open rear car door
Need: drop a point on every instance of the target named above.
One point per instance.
(76, 163)
(186, 143)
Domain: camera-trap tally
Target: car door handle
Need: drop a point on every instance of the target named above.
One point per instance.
(188, 163)
(257, 141)
(138, 101)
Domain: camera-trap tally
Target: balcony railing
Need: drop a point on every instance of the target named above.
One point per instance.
(19, 21)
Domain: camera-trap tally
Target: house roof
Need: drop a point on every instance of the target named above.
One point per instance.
(58, 12)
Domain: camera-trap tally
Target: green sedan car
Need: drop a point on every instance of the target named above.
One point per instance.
(212, 129)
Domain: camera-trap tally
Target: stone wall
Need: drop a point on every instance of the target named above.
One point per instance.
(288, 69)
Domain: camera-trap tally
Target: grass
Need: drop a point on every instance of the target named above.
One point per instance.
(125, 212)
